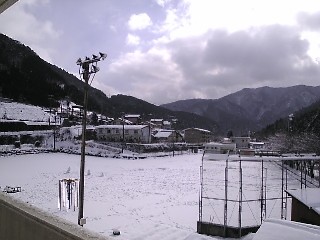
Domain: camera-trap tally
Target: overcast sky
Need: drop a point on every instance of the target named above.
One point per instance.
(167, 50)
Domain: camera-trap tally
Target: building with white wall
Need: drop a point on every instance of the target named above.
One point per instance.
(130, 133)
(219, 148)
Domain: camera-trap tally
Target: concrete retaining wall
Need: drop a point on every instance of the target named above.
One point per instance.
(228, 232)
(19, 221)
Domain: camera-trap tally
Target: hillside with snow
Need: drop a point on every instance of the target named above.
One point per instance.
(24, 112)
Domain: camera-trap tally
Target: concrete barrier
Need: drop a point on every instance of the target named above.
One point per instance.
(20, 221)
(212, 229)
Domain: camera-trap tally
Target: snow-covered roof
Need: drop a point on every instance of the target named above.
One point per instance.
(163, 134)
(308, 196)
(202, 130)
(240, 137)
(273, 229)
(9, 121)
(257, 143)
(125, 121)
(220, 144)
(156, 120)
(199, 129)
(126, 127)
(31, 123)
(132, 116)
(24, 112)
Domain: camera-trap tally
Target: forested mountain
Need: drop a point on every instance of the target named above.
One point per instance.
(25, 77)
(299, 133)
(306, 120)
(251, 109)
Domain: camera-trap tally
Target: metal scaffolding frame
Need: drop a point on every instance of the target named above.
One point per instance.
(304, 168)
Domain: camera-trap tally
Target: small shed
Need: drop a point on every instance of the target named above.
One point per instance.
(305, 205)
(167, 136)
(241, 142)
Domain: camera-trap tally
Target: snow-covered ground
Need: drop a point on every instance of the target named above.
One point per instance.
(24, 112)
(152, 198)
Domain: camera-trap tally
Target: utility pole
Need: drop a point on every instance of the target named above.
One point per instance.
(86, 68)
(54, 132)
(122, 132)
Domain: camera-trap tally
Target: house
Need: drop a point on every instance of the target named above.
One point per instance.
(305, 206)
(158, 123)
(241, 142)
(197, 135)
(120, 121)
(102, 119)
(75, 132)
(256, 145)
(76, 110)
(220, 148)
(167, 136)
(166, 125)
(134, 118)
(130, 133)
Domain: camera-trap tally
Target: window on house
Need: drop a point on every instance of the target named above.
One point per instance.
(108, 131)
(135, 131)
(126, 131)
(117, 131)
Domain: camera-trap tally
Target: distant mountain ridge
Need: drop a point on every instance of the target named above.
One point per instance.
(250, 109)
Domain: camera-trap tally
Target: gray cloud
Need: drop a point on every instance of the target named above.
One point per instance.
(215, 64)
(309, 21)
(223, 62)
(165, 66)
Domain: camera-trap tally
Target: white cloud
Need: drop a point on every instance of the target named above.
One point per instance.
(24, 26)
(133, 39)
(150, 75)
(139, 21)
(214, 64)
(162, 3)
(191, 18)
(187, 49)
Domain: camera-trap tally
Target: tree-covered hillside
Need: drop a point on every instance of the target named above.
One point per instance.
(297, 133)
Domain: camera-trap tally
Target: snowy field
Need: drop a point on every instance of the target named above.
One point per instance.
(153, 198)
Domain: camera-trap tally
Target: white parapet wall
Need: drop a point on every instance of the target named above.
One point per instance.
(20, 221)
